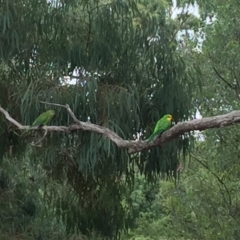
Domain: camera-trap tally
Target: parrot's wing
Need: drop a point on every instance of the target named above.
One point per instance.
(36, 124)
(41, 120)
(161, 126)
(158, 125)
(160, 131)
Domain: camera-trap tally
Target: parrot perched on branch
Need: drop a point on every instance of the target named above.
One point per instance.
(162, 125)
(42, 120)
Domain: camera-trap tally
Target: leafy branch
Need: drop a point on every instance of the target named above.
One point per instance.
(229, 202)
(135, 146)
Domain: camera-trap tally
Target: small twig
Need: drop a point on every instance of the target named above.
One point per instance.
(223, 79)
(54, 104)
(67, 108)
(40, 140)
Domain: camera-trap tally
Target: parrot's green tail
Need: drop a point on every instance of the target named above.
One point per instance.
(159, 132)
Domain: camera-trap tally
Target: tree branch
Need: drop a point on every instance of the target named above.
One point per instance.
(223, 79)
(67, 108)
(137, 146)
(38, 143)
(10, 119)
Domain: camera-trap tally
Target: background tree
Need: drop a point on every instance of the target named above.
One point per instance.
(131, 73)
(205, 202)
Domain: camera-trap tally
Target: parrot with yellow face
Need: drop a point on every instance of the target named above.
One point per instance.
(162, 125)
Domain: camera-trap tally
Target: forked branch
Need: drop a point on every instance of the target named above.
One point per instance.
(136, 146)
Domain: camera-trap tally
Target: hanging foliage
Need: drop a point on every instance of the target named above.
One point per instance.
(130, 75)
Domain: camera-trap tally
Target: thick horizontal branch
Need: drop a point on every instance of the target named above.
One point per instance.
(137, 146)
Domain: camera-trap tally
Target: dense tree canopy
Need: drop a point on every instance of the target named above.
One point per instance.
(130, 75)
(135, 63)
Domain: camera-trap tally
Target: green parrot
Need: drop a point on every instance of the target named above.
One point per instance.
(42, 120)
(162, 125)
